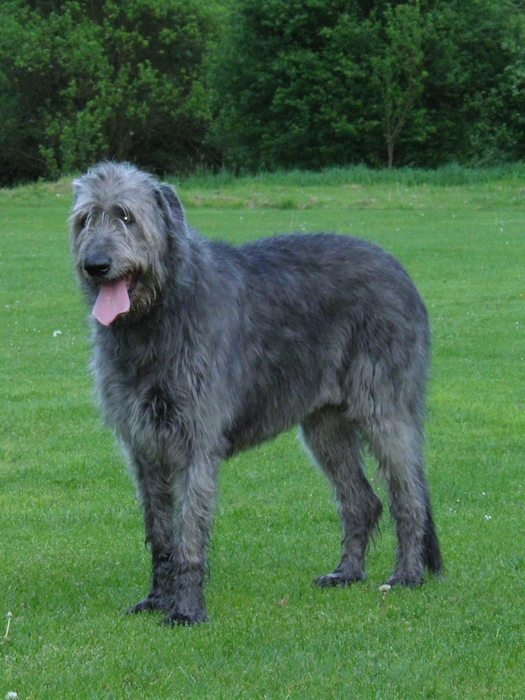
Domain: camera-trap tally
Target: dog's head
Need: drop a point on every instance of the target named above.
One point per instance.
(124, 226)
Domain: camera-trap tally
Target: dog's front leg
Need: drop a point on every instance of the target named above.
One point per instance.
(197, 496)
(156, 494)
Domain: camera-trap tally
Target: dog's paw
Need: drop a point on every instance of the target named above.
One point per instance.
(405, 579)
(339, 579)
(150, 603)
(185, 618)
(410, 577)
(188, 607)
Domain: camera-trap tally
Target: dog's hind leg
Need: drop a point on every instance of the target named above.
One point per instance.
(334, 442)
(397, 444)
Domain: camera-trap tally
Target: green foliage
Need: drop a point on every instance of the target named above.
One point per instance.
(110, 79)
(257, 85)
(398, 70)
(72, 554)
(287, 79)
(311, 83)
(471, 49)
(500, 127)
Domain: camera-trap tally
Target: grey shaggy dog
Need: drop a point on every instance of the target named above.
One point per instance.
(202, 349)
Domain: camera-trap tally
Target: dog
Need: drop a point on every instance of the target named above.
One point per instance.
(202, 349)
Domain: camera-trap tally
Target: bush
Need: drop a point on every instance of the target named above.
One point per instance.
(110, 80)
(314, 83)
(290, 84)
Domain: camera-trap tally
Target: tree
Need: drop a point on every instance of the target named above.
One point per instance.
(290, 84)
(469, 57)
(399, 69)
(309, 83)
(105, 79)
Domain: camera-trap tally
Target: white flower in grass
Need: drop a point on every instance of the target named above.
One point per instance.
(11, 695)
(56, 334)
(384, 589)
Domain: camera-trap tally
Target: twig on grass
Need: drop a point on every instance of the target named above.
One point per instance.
(9, 618)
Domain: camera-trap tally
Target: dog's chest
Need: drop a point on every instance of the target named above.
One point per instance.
(144, 395)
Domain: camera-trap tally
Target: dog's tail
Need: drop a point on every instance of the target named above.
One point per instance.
(431, 548)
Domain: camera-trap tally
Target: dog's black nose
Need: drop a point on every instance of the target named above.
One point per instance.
(97, 265)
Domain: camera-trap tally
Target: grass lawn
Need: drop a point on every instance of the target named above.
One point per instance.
(71, 550)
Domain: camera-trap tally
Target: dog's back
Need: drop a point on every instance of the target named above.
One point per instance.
(311, 314)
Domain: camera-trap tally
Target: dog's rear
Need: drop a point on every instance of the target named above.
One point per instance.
(341, 346)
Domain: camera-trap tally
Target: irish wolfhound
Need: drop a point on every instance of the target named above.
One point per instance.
(202, 349)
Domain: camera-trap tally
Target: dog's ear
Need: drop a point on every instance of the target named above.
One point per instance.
(171, 206)
(77, 188)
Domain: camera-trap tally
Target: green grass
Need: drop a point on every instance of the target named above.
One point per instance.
(72, 555)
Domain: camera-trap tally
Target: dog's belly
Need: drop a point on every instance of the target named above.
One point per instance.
(248, 431)
(263, 416)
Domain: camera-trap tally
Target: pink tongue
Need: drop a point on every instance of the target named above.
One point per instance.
(112, 300)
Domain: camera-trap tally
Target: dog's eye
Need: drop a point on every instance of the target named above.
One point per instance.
(126, 217)
(83, 221)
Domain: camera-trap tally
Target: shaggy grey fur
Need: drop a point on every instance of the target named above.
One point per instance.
(224, 347)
